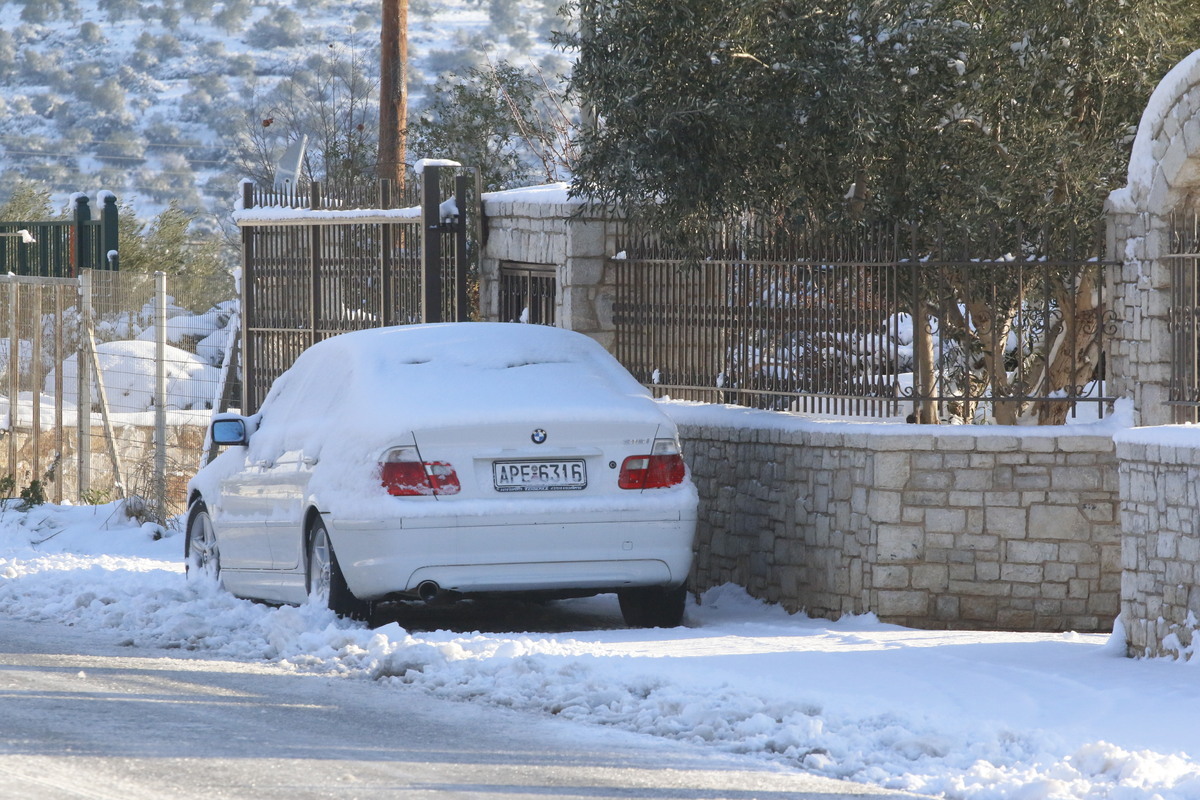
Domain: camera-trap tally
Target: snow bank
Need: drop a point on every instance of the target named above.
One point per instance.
(958, 714)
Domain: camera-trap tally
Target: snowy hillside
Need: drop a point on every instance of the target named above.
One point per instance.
(147, 99)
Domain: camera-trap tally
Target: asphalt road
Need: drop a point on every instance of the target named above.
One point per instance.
(83, 718)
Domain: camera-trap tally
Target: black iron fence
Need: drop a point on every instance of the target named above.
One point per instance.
(315, 266)
(527, 293)
(877, 322)
(62, 248)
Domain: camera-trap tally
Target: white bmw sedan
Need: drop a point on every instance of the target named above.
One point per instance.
(436, 462)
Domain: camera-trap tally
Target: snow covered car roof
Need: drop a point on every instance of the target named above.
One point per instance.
(390, 379)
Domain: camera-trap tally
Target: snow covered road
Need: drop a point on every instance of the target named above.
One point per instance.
(86, 719)
(964, 715)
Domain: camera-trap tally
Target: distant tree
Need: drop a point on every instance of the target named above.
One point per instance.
(8, 54)
(27, 201)
(40, 11)
(170, 16)
(197, 275)
(282, 28)
(143, 56)
(505, 16)
(233, 15)
(198, 10)
(91, 34)
(167, 47)
(117, 10)
(511, 123)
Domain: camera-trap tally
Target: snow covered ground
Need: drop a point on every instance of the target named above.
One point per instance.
(957, 714)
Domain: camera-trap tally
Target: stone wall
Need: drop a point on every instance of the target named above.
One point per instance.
(1160, 493)
(926, 527)
(135, 450)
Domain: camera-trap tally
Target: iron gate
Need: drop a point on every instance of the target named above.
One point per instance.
(1183, 260)
(316, 266)
(527, 292)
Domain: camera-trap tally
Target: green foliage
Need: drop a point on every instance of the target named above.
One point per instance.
(933, 111)
(27, 201)
(96, 497)
(511, 123)
(33, 495)
(196, 274)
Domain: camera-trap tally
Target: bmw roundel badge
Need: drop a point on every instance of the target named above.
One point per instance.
(538, 436)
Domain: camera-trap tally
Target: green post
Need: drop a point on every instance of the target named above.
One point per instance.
(108, 232)
(83, 236)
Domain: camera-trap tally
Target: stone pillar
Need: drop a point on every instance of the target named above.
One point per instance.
(541, 226)
(1163, 177)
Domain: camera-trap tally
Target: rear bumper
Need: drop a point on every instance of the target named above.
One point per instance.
(513, 552)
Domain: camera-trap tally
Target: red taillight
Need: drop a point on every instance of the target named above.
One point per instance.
(403, 474)
(663, 467)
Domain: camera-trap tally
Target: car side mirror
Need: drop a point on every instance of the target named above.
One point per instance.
(230, 431)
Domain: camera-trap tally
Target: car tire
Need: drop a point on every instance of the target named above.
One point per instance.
(324, 580)
(653, 606)
(202, 556)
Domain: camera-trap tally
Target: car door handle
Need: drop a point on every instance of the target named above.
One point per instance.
(309, 461)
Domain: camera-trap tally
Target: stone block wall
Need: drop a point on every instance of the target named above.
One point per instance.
(926, 527)
(1160, 495)
(135, 450)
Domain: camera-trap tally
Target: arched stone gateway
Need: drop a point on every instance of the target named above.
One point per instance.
(1155, 359)
(1155, 356)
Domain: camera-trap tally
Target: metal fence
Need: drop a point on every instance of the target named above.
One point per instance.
(315, 266)
(881, 321)
(148, 370)
(527, 292)
(1183, 260)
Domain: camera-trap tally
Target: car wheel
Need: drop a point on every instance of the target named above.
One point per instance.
(326, 584)
(203, 557)
(653, 606)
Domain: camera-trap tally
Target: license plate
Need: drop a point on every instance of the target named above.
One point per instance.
(539, 476)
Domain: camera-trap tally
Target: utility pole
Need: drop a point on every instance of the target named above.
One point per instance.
(393, 91)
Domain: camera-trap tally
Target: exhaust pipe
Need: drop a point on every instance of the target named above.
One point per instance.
(428, 591)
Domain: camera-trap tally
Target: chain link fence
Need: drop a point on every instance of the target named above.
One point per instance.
(149, 366)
